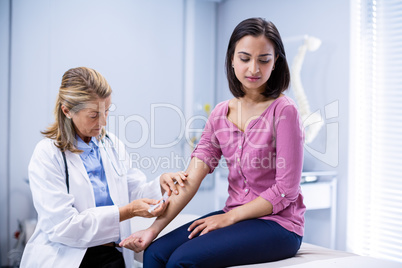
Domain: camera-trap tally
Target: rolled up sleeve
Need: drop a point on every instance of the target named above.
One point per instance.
(289, 160)
(208, 149)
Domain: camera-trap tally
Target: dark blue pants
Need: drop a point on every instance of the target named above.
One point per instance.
(246, 242)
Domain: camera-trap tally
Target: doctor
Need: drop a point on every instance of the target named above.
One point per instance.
(82, 185)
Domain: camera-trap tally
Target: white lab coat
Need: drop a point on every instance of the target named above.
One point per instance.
(69, 223)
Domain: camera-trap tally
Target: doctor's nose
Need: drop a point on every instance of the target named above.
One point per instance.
(103, 119)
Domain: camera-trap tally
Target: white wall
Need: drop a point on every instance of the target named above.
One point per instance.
(4, 111)
(136, 45)
(200, 77)
(324, 76)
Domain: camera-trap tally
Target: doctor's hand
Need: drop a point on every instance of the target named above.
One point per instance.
(170, 182)
(139, 208)
(139, 241)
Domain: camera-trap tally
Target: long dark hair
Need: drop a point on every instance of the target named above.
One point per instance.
(280, 77)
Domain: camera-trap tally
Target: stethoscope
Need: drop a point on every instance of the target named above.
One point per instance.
(120, 171)
(117, 166)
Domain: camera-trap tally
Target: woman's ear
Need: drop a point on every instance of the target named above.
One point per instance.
(66, 111)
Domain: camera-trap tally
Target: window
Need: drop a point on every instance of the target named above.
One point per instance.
(375, 176)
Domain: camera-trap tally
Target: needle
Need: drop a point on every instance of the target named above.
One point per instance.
(153, 207)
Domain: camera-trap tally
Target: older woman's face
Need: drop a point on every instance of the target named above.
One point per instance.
(88, 122)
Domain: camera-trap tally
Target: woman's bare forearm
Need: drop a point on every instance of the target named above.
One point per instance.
(197, 170)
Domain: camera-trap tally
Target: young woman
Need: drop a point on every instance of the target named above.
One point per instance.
(260, 134)
(82, 185)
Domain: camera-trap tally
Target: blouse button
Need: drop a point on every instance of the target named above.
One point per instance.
(246, 190)
(283, 195)
(239, 146)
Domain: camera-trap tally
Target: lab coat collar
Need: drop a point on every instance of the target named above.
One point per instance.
(74, 161)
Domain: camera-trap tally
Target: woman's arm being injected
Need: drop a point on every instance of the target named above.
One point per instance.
(197, 170)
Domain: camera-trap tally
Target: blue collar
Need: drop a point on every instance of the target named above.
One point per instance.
(87, 148)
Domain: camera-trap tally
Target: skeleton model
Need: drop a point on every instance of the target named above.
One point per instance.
(311, 121)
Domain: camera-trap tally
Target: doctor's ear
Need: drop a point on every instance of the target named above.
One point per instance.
(66, 111)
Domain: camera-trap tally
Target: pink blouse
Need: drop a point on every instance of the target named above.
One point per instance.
(265, 160)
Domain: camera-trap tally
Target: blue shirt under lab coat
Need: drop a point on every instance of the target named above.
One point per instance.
(94, 167)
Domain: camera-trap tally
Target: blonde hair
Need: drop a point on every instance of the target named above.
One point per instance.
(78, 87)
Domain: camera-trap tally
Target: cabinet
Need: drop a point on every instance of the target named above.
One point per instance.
(321, 194)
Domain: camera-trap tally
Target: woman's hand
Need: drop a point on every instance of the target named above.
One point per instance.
(170, 181)
(139, 241)
(209, 224)
(254, 209)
